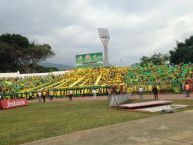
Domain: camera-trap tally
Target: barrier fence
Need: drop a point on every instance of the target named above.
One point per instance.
(83, 91)
(118, 99)
(173, 87)
(87, 91)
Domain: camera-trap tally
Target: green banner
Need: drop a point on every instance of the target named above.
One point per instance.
(89, 60)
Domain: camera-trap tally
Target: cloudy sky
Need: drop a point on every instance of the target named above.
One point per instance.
(136, 27)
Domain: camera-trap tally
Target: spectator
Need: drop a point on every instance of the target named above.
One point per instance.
(155, 92)
(187, 89)
(109, 91)
(70, 95)
(141, 93)
(39, 96)
(1, 94)
(51, 95)
(94, 94)
(44, 95)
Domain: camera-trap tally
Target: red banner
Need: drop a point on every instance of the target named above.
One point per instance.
(12, 103)
(0, 104)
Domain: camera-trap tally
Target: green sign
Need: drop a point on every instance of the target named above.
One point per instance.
(89, 60)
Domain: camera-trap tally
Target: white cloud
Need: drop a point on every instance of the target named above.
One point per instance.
(136, 27)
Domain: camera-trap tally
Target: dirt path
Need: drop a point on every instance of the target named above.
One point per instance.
(168, 129)
(165, 96)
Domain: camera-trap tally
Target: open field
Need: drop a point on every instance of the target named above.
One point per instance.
(44, 120)
(39, 120)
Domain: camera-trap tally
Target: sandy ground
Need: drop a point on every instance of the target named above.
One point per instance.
(163, 96)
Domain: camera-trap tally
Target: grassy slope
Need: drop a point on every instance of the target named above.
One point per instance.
(37, 121)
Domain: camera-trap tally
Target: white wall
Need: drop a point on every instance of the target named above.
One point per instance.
(18, 75)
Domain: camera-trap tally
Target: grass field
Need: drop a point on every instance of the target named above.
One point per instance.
(39, 120)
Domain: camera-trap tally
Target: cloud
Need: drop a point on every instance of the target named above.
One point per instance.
(136, 27)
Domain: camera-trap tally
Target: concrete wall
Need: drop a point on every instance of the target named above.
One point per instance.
(18, 75)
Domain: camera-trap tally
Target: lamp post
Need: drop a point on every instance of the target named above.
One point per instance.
(104, 36)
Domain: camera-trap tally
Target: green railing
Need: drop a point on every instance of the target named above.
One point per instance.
(172, 87)
(77, 91)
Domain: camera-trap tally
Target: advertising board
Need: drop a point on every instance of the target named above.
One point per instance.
(12, 103)
(89, 60)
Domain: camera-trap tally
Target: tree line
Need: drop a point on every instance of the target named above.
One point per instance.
(17, 53)
(182, 53)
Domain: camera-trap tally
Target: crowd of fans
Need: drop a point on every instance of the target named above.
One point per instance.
(76, 78)
(162, 74)
(25, 84)
(165, 77)
(101, 76)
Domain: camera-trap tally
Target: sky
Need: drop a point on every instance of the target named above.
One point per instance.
(136, 27)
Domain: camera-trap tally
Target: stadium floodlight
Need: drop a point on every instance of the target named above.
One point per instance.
(104, 36)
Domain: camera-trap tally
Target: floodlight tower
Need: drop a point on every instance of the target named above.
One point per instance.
(104, 36)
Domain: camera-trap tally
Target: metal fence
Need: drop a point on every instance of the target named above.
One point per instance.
(118, 99)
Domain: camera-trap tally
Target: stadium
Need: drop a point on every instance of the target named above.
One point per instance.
(94, 72)
(114, 87)
(99, 100)
(83, 80)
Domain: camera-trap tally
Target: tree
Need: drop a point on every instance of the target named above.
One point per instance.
(42, 69)
(183, 52)
(15, 40)
(144, 60)
(34, 55)
(16, 52)
(6, 60)
(156, 58)
(11, 46)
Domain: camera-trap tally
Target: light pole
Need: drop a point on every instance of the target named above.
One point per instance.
(104, 36)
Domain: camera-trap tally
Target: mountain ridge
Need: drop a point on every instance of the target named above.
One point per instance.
(58, 66)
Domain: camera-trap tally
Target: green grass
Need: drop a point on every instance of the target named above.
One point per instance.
(40, 120)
